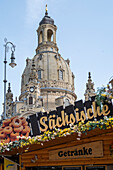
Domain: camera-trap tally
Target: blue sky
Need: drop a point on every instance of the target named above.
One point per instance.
(84, 35)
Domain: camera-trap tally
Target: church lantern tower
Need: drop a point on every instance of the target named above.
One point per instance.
(47, 34)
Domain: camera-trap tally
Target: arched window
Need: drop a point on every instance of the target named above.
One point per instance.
(30, 100)
(49, 35)
(39, 74)
(41, 37)
(60, 74)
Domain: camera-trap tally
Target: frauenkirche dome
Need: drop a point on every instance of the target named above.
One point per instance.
(47, 81)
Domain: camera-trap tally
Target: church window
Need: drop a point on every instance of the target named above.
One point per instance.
(50, 35)
(30, 100)
(39, 74)
(60, 74)
(41, 37)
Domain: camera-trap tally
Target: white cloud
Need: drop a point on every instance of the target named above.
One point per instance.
(34, 10)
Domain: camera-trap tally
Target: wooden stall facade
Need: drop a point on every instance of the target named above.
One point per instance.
(92, 149)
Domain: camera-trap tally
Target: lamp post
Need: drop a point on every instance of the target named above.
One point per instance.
(12, 64)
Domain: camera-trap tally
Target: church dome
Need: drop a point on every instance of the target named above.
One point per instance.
(50, 67)
(54, 74)
(47, 82)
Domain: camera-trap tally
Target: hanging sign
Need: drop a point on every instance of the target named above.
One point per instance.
(72, 114)
(39, 123)
(93, 149)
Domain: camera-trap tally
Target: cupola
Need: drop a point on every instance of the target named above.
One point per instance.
(46, 34)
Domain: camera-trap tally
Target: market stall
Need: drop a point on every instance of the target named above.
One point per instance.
(79, 137)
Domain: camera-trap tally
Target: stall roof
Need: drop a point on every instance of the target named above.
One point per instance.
(58, 141)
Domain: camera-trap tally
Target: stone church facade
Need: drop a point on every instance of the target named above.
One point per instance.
(47, 80)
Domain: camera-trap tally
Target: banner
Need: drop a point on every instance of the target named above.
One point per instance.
(9, 165)
(72, 114)
(41, 122)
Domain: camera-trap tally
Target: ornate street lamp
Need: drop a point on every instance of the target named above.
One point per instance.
(12, 64)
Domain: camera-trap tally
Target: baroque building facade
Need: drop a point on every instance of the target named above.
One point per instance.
(47, 80)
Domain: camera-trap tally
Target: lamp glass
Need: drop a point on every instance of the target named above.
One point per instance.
(12, 64)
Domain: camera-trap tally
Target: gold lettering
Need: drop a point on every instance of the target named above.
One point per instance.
(94, 109)
(42, 122)
(72, 118)
(77, 115)
(83, 116)
(89, 111)
(98, 111)
(51, 122)
(64, 118)
(105, 109)
(58, 122)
